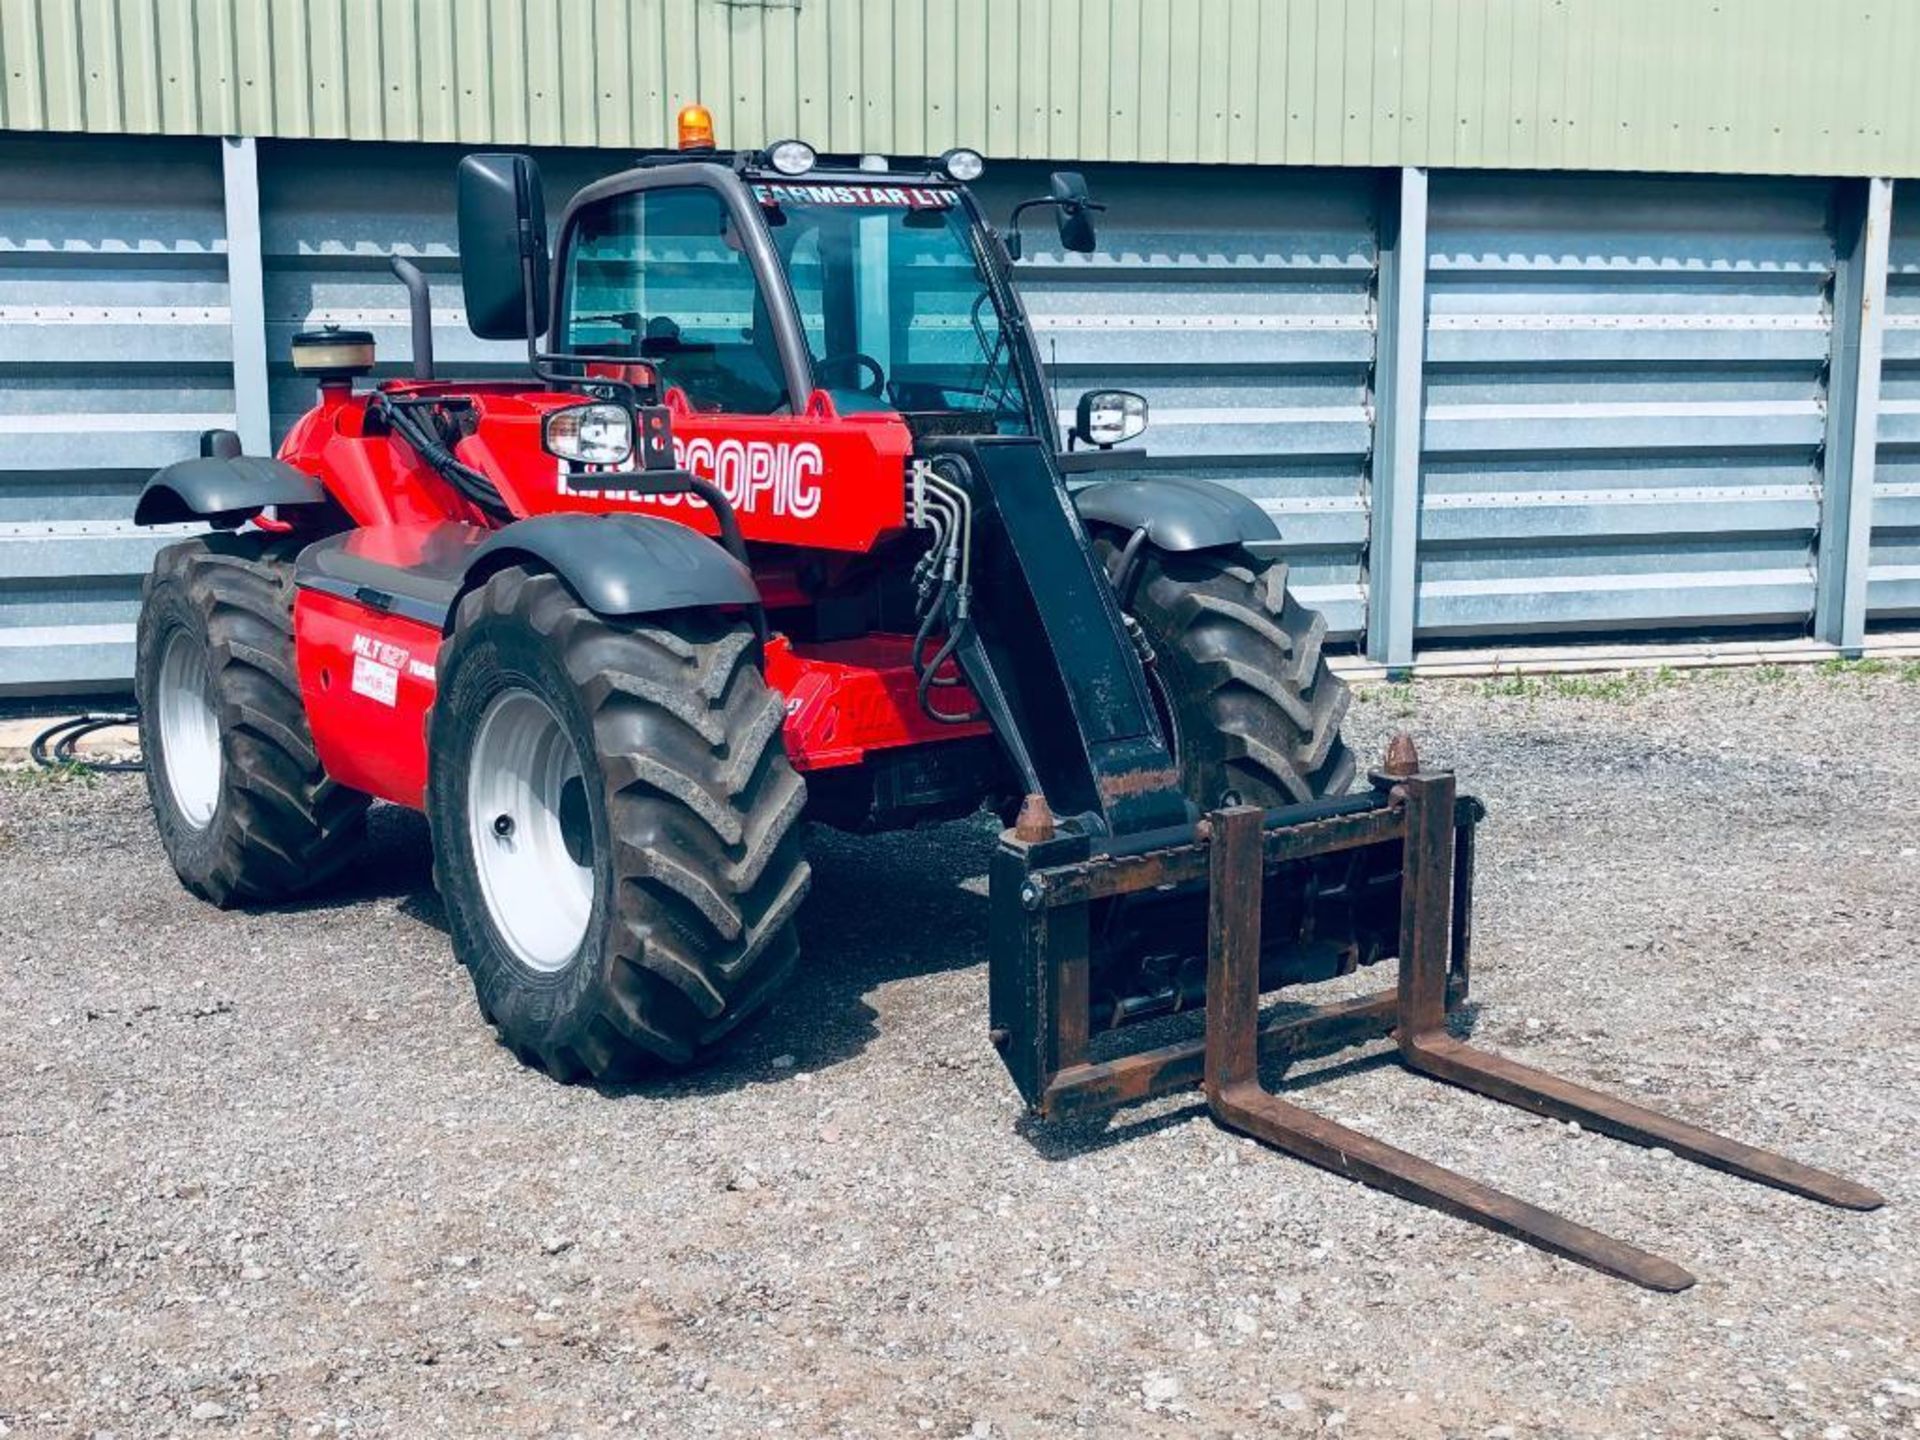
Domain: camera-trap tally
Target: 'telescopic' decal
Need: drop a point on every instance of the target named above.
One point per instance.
(758, 477)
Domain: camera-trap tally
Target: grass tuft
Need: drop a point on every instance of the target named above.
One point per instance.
(1607, 687)
(1399, 698)
(27, 777)
(1839, 665)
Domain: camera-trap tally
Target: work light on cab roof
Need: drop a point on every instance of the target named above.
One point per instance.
(789, 157)
(963, 164)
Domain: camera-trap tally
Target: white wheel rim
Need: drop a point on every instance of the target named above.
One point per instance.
(525, 802)
(189, 730)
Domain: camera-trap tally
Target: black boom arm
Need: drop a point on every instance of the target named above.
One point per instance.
(1050, 657)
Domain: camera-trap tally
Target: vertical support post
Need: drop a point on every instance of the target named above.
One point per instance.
(1400, 347)
(1426, 905)
(246, 294)
(1863, 222)
(1235, 870)
(1037, 964)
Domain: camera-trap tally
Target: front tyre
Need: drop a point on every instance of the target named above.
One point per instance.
(1240, 670)
(244, 809)
(614, 826)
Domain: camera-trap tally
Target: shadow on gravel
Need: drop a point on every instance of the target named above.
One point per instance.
(881, 908)
(396, 862)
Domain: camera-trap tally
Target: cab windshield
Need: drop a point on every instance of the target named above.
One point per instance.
(893, 300)
(887, 279)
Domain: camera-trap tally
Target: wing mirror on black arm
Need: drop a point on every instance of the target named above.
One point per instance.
(1068, 191)
(503, 246)
(1074, 211)
(1105, 418)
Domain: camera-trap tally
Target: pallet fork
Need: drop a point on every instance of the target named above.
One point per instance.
(1044, 886)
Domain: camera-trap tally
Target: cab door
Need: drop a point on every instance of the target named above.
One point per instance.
(668, 274)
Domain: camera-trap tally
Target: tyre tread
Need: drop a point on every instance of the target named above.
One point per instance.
(703, 809)
(289, 827)
(1250, 661)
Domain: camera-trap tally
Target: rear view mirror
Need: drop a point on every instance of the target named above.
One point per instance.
(1068, 190)
(1073, 211)
(1105, 418)
(503, 246)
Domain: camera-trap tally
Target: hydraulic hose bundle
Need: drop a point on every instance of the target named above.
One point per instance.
(412, 421)
(943, 578)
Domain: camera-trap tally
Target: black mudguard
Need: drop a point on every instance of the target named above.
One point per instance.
(620, 564)
(225, 491)
(1179, 514)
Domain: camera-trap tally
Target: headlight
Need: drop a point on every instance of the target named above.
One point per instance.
(963, 165)
(790, 157)
(590, 434)
(1108, 417)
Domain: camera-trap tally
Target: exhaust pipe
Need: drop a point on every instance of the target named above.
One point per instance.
(420, 306)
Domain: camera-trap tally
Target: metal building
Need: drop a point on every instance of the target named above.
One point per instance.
(1525, 317)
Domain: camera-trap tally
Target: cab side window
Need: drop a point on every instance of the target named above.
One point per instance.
(663, 276)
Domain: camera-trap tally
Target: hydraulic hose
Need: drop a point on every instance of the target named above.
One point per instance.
(53, 747)
(423, 442)
(944, 654)
(944, 506)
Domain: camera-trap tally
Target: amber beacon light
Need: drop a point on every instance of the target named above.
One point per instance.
(696, 127)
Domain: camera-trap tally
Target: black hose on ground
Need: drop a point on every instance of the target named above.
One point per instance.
(53, 747)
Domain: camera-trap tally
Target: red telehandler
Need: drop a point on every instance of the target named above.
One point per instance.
(779, 527)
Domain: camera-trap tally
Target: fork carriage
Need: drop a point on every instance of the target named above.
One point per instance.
(1403, 858)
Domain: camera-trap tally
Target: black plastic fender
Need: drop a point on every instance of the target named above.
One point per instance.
(1179, 514)
(224, 490)
(619, 564)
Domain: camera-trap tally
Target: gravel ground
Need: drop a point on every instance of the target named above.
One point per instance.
(269, 1173)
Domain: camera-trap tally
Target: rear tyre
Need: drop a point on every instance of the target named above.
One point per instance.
(614, 827)
(1239, 667)
(244, 810)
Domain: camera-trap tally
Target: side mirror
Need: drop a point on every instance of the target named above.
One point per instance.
(1105, 418)
(1073, 209)
(503, 246)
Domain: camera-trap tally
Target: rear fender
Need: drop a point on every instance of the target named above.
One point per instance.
(225, 491)
(1178, 514)
(619, 565)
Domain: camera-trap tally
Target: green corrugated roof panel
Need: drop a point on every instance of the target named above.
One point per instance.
(1755, 86)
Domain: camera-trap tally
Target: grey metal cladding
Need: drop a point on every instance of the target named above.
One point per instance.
(1624, 403)
(1893, 567)
(115, 353)
(1241, 305)
(333, 214)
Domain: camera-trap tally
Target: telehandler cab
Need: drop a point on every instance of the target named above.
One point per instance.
(779, 528)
